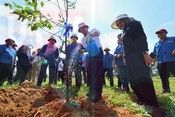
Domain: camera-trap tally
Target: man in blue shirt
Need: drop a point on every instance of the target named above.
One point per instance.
(108, 66)
(164, 50)
(121, 65)
(74, 60)
(7, 58)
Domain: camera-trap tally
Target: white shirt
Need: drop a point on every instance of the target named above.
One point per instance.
(60, 66)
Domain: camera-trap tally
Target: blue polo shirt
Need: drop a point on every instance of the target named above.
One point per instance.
(119, 50)
(107, 60)
(7, 54)
(73, 52)
(163, 50)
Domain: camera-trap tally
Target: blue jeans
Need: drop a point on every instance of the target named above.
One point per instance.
(122, 71)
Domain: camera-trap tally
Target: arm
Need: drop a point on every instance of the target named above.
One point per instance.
(173, 52)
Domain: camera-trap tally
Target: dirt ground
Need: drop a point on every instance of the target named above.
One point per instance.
(31, 101)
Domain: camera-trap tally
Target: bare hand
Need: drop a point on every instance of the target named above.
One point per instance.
(42, 58)
(148, 60)
(118, 56)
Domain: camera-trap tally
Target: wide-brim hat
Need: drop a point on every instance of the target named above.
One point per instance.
(81, 25)
(113, 25)
(52, 38)
(161, 31)
(74, 35)
(9, 39)
(106, 49)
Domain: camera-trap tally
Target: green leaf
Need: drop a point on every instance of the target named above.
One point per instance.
(34, 27)
(25, 14)
(42, 4)
(23, 18)
(49, 26)
(17, 11)
(9, 5)
(16, 5)
(29, 18)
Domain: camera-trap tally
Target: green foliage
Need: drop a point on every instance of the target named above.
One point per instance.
(8, 5)
(36, 19)
(30, 13)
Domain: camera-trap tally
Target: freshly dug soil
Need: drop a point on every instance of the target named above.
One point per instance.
(31, 101)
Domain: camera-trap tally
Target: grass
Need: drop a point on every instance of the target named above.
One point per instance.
(117, 97)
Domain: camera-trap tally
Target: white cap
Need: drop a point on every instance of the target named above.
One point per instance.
(74, 35)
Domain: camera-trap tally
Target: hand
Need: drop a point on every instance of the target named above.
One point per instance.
(56, 60)
(148, 60)
(173, 53)
(43, 58)
(118, 56)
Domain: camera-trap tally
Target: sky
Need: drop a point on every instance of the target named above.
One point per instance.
(99, 14)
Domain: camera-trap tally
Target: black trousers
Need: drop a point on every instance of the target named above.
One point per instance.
(5, 73)
(139, 78)
(21, 74)
(164, 70)
(109, 75)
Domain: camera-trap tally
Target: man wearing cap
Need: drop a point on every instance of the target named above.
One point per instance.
(95, 61)
(164, 50)
(73, 58)
(108, 60)
(49, 54)
(7, 59)
(138, 61)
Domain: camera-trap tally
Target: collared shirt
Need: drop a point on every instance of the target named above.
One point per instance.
(7, 54)
(107, 60)
(163, 50)
(119, 50)
(73, 52)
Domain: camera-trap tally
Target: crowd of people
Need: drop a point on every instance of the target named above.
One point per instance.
(131, 58)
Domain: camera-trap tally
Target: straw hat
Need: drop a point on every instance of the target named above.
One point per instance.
(81, 25)
(113, 25)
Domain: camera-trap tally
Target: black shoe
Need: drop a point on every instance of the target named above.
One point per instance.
(95, 98)
(166, 91)
(88, 94)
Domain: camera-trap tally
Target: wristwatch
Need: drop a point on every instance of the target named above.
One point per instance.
(144, 52)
